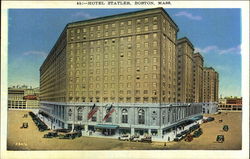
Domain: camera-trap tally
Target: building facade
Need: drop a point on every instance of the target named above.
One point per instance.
(210, 85)
(198, 78)
(230, 104)
(23, 98)
(185, 64)
(116, 74)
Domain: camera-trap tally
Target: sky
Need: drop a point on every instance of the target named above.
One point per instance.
(215, 33)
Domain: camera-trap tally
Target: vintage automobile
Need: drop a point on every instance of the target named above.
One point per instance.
(70, 135)
(210, 119)
(185, 133)
(194, 127)
(189, 138)
(220, 138)
(25, 125)
(135, 138)
(198, 133)
(225, 128)
(178, 137)
(124, 137)
(147, 139)
(40, 124)
(62, 130)
(50, 135)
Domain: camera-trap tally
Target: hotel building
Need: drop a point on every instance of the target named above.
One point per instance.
(117, 74)
(210, 90)
(185, 71)
(198, 78)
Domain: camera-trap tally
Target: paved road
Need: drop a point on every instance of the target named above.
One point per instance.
(32, 139)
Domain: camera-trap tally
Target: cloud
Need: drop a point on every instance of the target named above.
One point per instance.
(39, 53)
(188, 15)
(216, 49)
(83, 15)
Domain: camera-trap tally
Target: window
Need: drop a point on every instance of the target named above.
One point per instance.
(155, 19)
(93, 118)
(154, 68)
(155, 27)
(155, 35)
(129, 30)
(79, 114)
(106, 26)
(129, 22)
(70, 113)
(129, 39)
(155, 44)
(141, 116)
(124, 116)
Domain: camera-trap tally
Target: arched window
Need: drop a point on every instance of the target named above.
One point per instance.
(124, 116)
(79, 114)
(141, 116)
(70, 113)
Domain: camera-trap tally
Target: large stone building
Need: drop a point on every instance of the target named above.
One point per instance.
(198, 78)
(185, 78)
(210, 90)
(116, 74)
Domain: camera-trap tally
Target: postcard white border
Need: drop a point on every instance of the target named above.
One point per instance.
(218, 154)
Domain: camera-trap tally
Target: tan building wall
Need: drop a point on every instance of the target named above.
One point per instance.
(127, 58)
(185, 71)
(211, 84)
(198, 78)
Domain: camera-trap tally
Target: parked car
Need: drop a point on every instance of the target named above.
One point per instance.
(220, 138)
(50, 135)
(147, 139)
(225, 128)
(178, 137)
(194, 127)
(185, 133)
(189, 138)
(25, 125)
(135, 138)
(62, 130)
(70, 135)
(210, 119)
(124, 137)
(198, 133)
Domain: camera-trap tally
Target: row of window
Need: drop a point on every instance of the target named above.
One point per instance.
(122, 99)
(111, 25)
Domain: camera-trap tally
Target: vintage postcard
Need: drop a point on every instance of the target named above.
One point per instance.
(125, 79)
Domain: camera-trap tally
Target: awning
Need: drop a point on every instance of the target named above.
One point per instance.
(106, 126)
(177, 124)
(197, 118)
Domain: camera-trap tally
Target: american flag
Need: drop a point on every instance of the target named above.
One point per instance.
(110, 111)
(93, 110)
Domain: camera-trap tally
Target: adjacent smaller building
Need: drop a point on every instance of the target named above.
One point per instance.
(209, 108)
(230, 104)
(23, 98)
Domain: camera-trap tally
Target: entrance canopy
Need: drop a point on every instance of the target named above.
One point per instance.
(106, 126)
(197, 118)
